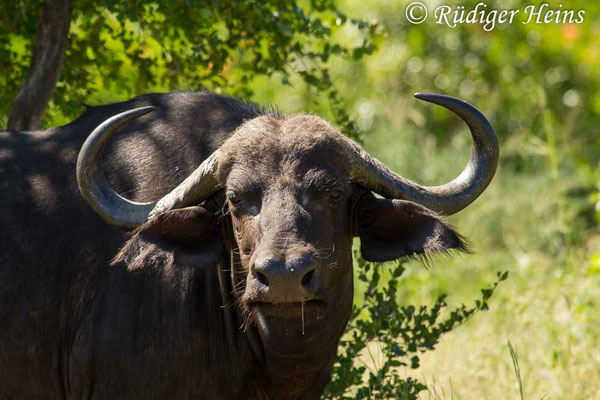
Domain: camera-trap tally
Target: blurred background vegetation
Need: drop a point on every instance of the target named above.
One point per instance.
(539, 84)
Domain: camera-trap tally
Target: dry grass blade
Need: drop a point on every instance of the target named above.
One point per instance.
(515, 361)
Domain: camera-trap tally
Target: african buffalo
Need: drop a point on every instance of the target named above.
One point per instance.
(229, 274)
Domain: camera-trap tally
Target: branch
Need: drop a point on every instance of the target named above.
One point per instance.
(46, 63)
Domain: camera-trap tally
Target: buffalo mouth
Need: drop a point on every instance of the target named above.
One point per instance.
(314, 308)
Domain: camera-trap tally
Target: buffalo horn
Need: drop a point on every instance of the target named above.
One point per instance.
(119, 211)
(112, 207)
(451, 197)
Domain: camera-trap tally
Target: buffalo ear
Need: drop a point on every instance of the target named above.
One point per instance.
(390, 229)
(189, 236)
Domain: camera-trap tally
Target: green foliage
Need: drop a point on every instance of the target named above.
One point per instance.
(121, 49)
(393, 336)
(515, 72)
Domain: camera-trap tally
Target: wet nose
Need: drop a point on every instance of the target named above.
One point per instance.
(286, 281)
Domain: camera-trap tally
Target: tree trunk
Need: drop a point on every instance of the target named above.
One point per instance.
(44, 70)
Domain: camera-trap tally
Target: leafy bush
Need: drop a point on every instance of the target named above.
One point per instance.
(121, 49)
(399, 334)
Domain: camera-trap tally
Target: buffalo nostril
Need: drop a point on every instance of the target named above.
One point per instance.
(261, 278)
(307, 279)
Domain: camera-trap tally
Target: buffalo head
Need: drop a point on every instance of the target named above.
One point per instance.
(285, 196)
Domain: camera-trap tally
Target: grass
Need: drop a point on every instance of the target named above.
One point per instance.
(435, 392)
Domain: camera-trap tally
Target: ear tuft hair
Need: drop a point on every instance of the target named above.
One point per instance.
(391, 229)
(188, 236)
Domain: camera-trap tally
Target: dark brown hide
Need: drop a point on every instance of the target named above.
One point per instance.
(244, 296)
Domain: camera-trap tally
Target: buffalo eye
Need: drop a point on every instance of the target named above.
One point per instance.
(245, 203)
(233, 197)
